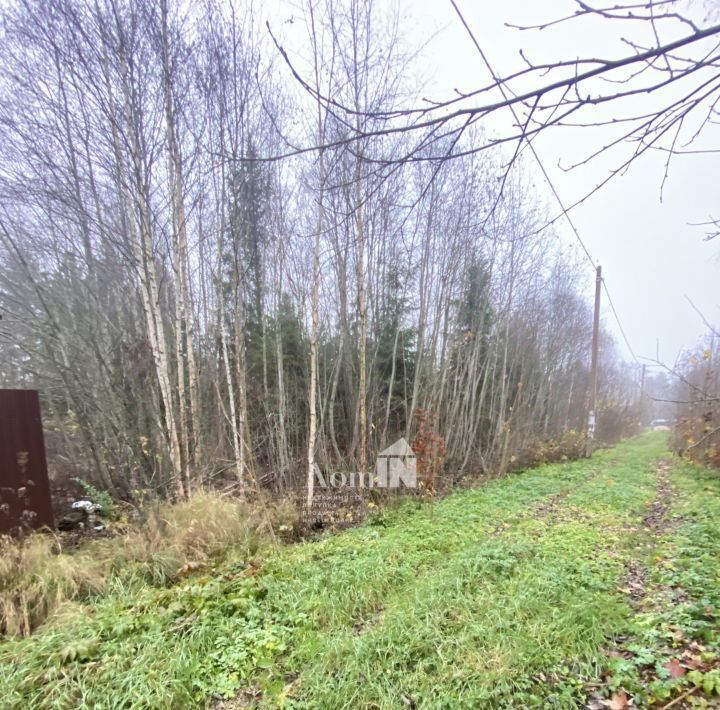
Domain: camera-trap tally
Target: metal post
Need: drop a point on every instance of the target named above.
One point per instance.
(592, 398)
(24, 487)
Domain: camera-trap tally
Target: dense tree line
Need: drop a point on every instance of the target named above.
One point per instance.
(192, 312)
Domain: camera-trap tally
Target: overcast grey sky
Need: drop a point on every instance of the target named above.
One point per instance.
(652, 258)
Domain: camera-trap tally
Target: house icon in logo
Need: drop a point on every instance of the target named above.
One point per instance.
(395, 464)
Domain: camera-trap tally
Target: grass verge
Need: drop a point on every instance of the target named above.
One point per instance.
(509, 595)
(670, 653)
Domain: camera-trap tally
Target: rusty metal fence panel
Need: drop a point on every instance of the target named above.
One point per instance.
(24, 487)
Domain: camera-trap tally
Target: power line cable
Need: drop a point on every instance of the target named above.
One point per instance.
(503, 91)
(617, 320)
(545, 174)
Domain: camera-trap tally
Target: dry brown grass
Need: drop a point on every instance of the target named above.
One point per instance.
(37, 577)
(35, 580)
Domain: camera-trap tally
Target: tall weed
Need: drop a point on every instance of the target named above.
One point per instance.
(38, 577)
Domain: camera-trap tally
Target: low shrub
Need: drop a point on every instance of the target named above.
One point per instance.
(616, 421)
(570, 445)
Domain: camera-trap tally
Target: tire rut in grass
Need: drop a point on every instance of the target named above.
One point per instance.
(658, 520)
(554, 510)
(551, 506)
(374, 617)
(634, 582)
(641, 596)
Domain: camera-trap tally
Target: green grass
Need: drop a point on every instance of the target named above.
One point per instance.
(507, 595)
(679, 617)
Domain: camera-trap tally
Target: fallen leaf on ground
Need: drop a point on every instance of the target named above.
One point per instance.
(694, 661)
(674, 668)
(189, 567)
(619, 701)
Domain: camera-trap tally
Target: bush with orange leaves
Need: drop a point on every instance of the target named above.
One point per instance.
(696, 434)
(429, 447)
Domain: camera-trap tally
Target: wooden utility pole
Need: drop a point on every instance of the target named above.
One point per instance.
(592, 398)
(642, 396)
